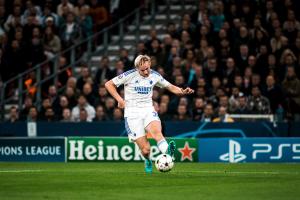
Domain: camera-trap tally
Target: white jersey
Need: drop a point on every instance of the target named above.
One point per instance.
(138, 89)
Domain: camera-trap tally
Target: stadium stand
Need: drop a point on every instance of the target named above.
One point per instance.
(241, 57)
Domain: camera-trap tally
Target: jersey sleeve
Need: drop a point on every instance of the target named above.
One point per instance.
(162, 83)
(124, 77)
(120, 80)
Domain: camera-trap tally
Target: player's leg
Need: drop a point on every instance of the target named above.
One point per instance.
(154, 128)
(144, 146)
(136, 133)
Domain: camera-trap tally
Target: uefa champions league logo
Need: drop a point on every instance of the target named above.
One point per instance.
(234, 154)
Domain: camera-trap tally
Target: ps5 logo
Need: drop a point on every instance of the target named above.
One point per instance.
(234, 154)
(259, 151)
(265, 148)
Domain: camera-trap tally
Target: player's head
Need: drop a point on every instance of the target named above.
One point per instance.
(143, 64)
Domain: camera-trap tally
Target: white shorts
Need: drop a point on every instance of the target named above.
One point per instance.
(135, 125)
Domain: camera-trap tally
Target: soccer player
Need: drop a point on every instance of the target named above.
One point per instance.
(140, 115)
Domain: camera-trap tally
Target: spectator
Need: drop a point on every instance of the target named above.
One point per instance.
(198, 108)
(64, 4)
(163, 111)
(156, 51)
(233, 100)
(51, 43)
(32, 115)
(110, 104)
(83, 104)
(83, 115)
(242, 58)
(291, 87)
(201, 92)
(53, 96)
(198, 16)
(49, 115)
(101, 97)
(258, 104)
(273, 67)
(223, 101)
(104, 72)
(84, 78)
(99, 15)
(66, 115)
(32, 10)
(65, 73)
(152, 37)
(255, 80)
(71, 96)
(13, 115)
(140, 49)
(182, 113)
(50, 19)
(230, 71)
(276, 41)
(45, 104)
(14, 60)
(100, 114)
(35, 54)
(273, 93)
(25, 110)
(120, 68)
(217, 18)
(85, 21)
(14, 19)
(63, 103)
(70, 32)
(87, 91)
(242, 106)
(215, 85)
(208, 113)
(72, 81)
(262, 62)
(28, 28)
(115, 10)
(212, 70)
(223, 115)
(288, 59)
(124, 57)
(117, 114)
(81, 4)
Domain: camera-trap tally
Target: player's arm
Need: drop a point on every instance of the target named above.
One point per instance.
(179, 91)
(112, 89)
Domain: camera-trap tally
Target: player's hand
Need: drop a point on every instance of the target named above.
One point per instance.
(187, 91)
(121, 104)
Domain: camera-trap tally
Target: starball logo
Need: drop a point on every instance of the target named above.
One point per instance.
(234, 154)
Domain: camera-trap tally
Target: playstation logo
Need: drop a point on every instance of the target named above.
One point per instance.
(234, 155)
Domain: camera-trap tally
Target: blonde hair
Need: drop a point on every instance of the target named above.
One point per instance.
(141, 59)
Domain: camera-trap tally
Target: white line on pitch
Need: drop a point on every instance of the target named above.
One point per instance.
(21, 171)
(233, 172)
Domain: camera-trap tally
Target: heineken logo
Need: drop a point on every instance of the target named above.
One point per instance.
(110, 149)
(79, 150)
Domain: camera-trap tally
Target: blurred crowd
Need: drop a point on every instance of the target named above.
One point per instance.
(32, 31)
(240, 57)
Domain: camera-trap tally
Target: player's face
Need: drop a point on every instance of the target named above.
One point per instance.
(144, 69)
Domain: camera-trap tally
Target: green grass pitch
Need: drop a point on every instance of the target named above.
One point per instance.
(128, 181)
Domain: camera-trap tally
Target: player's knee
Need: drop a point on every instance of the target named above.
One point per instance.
(157, 136)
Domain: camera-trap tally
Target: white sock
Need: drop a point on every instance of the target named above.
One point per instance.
(163, 146)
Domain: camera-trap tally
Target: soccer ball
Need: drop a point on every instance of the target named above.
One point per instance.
(164, 163)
